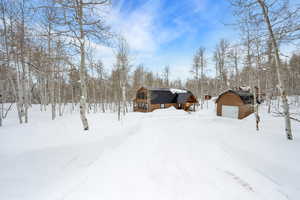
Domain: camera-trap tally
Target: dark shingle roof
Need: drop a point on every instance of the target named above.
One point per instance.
(168, 95)
(245, 96)
(163, 96)
(183, 97)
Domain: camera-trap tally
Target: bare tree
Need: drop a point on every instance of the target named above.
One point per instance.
(166, 76)
(83, 23)
(282, 24)
(221, 58)
(198, 72)
(122, 67)
(48, 22)
(235, 56)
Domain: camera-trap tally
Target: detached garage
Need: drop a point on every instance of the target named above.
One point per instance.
(235, 104)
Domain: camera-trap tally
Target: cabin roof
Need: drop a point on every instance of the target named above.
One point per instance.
(183, 97)
(169, 95)
(173, 90)
(163, 96)
(245, 96)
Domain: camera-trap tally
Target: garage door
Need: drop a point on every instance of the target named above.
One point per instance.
(230, 111)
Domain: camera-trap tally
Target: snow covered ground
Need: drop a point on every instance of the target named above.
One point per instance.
(167, 154)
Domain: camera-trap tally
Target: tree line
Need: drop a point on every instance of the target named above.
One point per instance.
(47, 58)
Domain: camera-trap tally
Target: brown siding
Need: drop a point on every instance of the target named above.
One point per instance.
(245, 110)
(186, 106)
(190, 102)
(228, 99)
(146, 101)
(139, 110)
(141, 100)
(170, 104)
(207, 97)
(231, 99)
(157, 106)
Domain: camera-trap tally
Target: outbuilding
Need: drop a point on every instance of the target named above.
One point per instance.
(236, 104)
(207, 97)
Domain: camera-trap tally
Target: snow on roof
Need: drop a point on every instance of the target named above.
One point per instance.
(173, 90)
(245, 88)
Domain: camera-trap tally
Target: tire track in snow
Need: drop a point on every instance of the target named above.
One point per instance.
(231, 151)
(240, 181)
(110, 143)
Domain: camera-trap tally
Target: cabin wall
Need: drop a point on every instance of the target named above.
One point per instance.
(145, 99)
(187, 106)
(245, 110)
(142, 90)
(157, 106)
(139, 110)
(207, 97)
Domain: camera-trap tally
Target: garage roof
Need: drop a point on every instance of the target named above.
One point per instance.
(245, 96)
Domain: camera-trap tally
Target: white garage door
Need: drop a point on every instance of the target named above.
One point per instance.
(230, 111)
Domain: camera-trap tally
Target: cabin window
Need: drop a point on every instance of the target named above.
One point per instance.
(141, 95)
(162, 105)
(141, 105)
(145, 107)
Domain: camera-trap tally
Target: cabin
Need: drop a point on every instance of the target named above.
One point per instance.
(207, 97)
(236, 104)
(149, 99)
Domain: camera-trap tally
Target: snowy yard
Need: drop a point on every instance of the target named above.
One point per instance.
(167, 154)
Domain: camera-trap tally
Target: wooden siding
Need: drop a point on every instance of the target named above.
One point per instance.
(145, 101)
(207, 97)
(157, 106)
(185, 106)
(245, 110)
(231, 99)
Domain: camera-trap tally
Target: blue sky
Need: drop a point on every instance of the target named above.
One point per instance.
(168, 32)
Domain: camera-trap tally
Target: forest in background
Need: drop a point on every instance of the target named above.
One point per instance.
(47, 58)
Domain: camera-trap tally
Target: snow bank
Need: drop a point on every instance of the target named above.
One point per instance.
(170, 109)
(167, 112)
(164, 155)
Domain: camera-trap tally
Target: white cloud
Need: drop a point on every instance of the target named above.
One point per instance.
(144, 31)
(199, 5)
(136, 26)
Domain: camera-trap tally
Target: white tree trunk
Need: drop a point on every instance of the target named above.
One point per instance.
(52, 97)
(83, 113)
(1, 108)
(82, 70)
(285, 105)
(256, 109)
(60, 113)
(124, 99)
